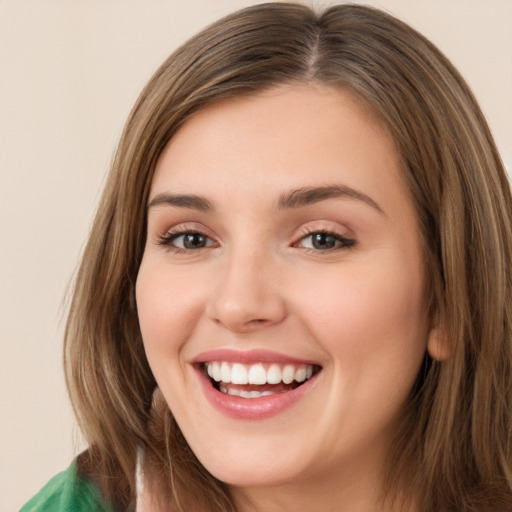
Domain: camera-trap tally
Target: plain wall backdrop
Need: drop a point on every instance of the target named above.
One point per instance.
(69, 73)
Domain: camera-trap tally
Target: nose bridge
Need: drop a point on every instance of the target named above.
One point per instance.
(246, 297)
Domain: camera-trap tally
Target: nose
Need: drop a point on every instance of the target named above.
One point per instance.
(247, 297)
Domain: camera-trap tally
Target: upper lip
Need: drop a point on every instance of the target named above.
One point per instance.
(249, 357)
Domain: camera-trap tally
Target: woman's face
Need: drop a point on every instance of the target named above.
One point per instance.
(281, 294)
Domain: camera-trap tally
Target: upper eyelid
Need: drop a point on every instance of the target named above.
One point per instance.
(167, 241)
(186, 227)
(324, 227)
(173, 233)
(168, 231)
(170, 236)
(307, 228)
(175, 236)
(346, 240)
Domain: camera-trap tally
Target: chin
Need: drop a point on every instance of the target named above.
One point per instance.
(248, 475)
(252, 464)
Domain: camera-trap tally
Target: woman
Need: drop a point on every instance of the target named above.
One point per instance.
(296, 292)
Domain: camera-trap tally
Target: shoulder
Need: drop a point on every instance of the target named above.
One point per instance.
(67, 492)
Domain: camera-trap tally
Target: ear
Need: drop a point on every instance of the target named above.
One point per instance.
(437, 345)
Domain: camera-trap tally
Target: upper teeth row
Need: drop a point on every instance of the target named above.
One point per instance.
(257, 374)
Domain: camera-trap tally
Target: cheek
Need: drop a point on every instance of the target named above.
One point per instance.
(370, 313)
(168, 305)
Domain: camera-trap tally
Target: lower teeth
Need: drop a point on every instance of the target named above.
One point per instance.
(244, 394)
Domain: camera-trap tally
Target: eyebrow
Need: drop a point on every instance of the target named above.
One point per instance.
(296, 198)
(182, 201)
(310, 195)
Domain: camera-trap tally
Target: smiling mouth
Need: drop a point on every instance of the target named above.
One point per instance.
(257, 380)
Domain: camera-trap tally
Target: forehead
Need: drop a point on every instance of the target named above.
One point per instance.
(290, 136)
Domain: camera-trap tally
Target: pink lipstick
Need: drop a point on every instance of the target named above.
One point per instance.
(254, 384)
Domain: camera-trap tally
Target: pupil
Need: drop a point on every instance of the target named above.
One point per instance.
(323, 241)
(194, 241)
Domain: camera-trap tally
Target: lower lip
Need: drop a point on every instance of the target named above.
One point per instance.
(259, 408)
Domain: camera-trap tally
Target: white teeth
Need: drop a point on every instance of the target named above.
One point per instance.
(300, 374)
(238, 374)
(255, 374)
(288, 374)
(244, 394)
(274, 374)
(216, 372)
(225, 372)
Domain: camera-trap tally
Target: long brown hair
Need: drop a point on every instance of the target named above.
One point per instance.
(453, 451)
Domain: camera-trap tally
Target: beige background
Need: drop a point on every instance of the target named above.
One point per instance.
(69, 73)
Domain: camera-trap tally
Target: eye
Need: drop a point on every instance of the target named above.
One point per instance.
(325, 241)
(186, 240)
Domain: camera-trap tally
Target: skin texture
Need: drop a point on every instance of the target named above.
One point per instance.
(357, 311)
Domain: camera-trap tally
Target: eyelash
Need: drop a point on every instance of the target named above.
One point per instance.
(168, 238)
(343, 243)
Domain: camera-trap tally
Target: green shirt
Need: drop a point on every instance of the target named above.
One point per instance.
(67, 492)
